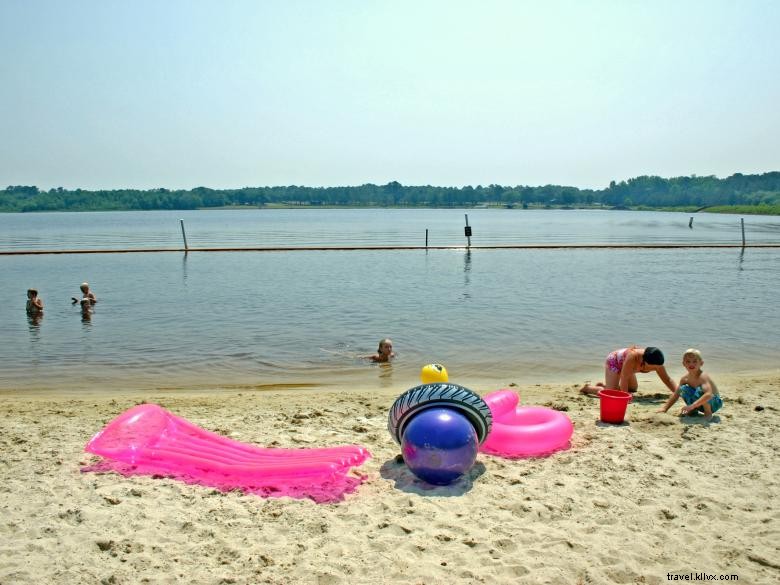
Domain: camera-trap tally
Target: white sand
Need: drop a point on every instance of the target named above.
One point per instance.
(625, 504)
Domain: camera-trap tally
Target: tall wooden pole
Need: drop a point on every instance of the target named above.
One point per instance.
(184, 235)
(742, 221)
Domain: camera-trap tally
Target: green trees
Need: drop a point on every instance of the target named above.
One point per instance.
(644, 191)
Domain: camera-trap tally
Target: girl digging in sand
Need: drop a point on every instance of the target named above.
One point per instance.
(697, 388)
(622, 366)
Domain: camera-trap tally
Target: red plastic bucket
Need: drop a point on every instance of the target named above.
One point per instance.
(613, 405)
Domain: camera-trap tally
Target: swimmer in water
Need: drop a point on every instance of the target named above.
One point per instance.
(384, 352)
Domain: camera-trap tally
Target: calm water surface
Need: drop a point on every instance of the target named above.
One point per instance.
(370, 227)
(492, 317)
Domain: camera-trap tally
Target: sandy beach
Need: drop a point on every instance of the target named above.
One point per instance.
(649, 501)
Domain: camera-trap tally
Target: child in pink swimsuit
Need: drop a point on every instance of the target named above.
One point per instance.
(622, 366)
(615, 359)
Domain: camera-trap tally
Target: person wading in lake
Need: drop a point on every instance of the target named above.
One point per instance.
(85, 294)
(34, 303)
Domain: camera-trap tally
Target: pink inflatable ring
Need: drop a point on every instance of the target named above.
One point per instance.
(524, 431)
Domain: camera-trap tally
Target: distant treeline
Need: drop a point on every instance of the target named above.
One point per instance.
(647, 191)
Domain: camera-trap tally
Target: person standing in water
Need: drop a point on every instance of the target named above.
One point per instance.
(85, 294)
(34, 303)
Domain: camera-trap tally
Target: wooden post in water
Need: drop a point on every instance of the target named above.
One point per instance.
(467, 230)
(690, 223)
(742, 221)
(426, 238)
(184, 235)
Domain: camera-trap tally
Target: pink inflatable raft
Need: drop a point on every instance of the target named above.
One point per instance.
(524, 431)
(149, 440)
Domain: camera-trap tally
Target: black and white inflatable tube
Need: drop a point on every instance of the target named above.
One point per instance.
(452, 396)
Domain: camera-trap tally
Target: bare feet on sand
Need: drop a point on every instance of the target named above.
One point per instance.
(591, 389)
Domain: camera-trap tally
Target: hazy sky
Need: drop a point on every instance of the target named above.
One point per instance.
(227, 93)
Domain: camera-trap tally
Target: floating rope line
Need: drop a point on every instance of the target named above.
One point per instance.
(390, 248)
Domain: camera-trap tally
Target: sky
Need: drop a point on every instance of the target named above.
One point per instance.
(108, 94)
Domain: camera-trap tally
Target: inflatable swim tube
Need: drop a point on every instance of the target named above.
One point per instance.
(419, 398)
(524, 431)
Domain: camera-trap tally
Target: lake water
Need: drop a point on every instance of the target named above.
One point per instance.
(371, 227)
(261, 319)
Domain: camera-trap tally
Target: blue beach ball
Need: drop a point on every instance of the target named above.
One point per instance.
(439, 445)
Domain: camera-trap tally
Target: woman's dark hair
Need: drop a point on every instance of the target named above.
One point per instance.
(653, 356)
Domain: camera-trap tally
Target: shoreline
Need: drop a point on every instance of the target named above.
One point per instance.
(372, 379)
(744, 209)
(686, 495)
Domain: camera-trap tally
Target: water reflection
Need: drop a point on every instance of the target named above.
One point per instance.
(34, 327)
(34, 322)
(466, 273)
(741, 259)
(385, 374)
(184, 268)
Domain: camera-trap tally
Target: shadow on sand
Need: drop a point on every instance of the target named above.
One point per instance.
(698, 419)
(396, 470)
(606, 425)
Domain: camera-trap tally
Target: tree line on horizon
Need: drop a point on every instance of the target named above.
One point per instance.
(644, 192)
